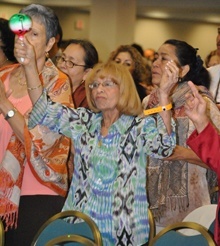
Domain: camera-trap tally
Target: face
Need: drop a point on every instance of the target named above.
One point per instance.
(214, 60)
(125, 59)
(74, 53)
(37, 37)
(165, 53)
(106, 97)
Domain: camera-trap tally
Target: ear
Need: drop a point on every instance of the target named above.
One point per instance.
(50, 44)
(184, 70)
(86, 73)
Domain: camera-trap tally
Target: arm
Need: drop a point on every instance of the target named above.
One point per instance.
(32, 67)
(17, 121)
(204, 141)
(182, 153)
(207, 146)
(195, 108)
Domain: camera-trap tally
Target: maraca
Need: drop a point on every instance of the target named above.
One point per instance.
(20, 24)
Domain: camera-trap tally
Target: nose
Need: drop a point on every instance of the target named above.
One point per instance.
(100, 87)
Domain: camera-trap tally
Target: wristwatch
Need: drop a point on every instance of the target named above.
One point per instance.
(10, 114)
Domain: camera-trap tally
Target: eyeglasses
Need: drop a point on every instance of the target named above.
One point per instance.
(106, 84)
(68, 63)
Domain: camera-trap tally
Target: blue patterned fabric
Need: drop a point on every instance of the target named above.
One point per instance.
(109, 180)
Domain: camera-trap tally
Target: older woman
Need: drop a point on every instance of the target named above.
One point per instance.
(175, 184)
(112, 143)
(37, 171)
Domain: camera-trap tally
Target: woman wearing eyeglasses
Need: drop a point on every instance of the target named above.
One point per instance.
(78, 58)
(111, 146)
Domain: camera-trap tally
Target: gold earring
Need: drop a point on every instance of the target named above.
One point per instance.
(47, 55)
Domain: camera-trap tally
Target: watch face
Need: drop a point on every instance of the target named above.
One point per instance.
(11, 113)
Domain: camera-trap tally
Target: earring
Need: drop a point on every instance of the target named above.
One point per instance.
(47, 54)
(180, 79)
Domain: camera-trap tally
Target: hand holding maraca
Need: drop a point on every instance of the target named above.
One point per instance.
(20, 24)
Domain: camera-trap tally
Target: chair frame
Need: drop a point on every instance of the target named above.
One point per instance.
(2, 234)
(70, 238)
(152, 225)
(181, 225)
(72, 213)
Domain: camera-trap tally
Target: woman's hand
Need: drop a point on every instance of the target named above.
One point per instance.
(195, 108)
(24, 50)
(169, 78)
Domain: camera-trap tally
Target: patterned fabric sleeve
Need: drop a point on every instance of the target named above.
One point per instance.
(160, 142)
(59, 118)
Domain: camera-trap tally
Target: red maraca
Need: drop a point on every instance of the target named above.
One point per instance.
(20, 24)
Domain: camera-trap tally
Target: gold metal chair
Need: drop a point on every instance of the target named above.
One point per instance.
(57, 226)
(2, 234)
(169, 236)
(152, 225)
(70, 238)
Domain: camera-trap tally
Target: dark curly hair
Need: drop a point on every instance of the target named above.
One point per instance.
(7, 37)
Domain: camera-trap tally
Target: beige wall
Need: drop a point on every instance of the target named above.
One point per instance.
(150, 33)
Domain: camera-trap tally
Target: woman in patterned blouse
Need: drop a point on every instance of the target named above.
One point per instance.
(111, 146)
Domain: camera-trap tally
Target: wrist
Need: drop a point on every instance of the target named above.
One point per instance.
(158, 109)
(201, 124)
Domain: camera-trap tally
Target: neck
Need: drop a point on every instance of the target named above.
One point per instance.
(4, 62)
(108, 120)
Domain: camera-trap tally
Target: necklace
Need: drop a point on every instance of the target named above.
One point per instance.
(4, 62)
(20, 79)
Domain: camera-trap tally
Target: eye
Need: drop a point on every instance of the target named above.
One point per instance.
(108, 83)
(127, 64)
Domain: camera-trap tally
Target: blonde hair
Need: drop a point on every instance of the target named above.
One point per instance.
(129, 102)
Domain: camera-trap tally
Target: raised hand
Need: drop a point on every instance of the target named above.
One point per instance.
(195, 108)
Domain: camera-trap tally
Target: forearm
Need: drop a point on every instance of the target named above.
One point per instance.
(34, 84)
(16, 122)
(164, 100)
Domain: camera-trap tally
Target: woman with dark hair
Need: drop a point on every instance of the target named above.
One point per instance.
(78, 58)
(174, 184)
(6, 44)
(134, 61)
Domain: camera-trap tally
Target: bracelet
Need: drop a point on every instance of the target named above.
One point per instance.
(33, 88)
(158, 109)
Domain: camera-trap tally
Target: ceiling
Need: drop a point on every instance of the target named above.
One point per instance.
(193, 10)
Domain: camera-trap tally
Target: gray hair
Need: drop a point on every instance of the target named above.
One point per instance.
(45, 16)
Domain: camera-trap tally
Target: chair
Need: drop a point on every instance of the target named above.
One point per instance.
(70, 238)
(57, 226)
(204, 215)
(169, 236)
(2, 234)
(152, 225)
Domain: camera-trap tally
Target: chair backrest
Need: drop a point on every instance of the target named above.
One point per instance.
(169, 236)
(70, 238)
(204, 215)
(59, 225)
(2, 234)
(152, 225)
